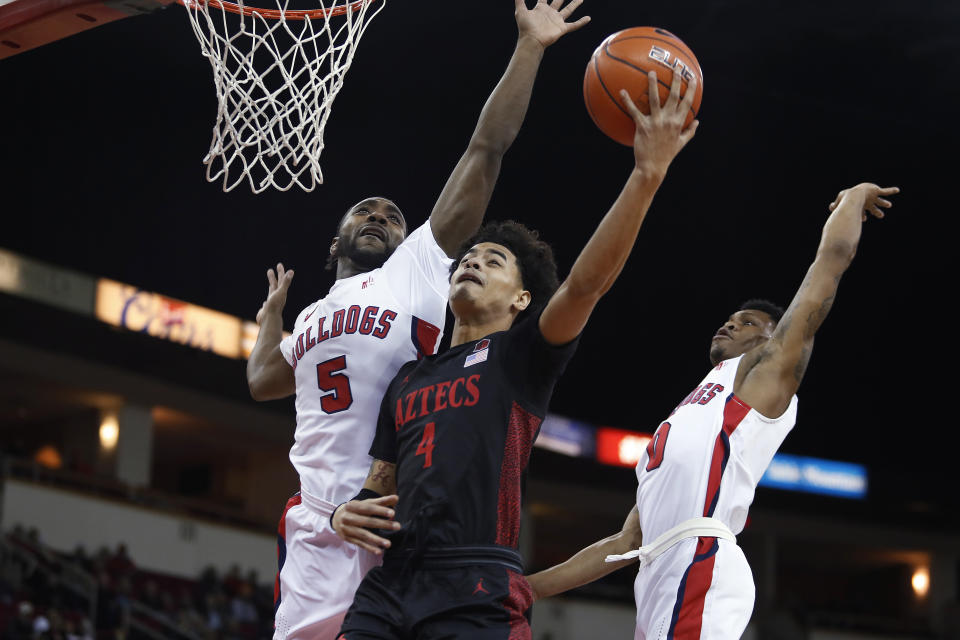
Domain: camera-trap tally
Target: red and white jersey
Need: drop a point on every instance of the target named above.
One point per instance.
(346, 348)
(706, 459)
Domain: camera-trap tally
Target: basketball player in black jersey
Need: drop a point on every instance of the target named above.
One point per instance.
(455, 430)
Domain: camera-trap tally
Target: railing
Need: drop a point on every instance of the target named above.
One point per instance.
(107, 487)
(68, 576)
(146, 622)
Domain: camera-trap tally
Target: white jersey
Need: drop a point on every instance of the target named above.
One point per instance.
(346, 348)
(706, 459)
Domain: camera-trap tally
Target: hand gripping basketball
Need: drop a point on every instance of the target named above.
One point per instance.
(661, 135)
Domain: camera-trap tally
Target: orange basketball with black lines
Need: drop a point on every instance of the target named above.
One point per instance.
(622, 62)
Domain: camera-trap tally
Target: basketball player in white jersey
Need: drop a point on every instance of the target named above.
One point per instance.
(387, 307)
(698, 475)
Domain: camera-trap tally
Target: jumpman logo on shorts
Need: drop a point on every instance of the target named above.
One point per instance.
(480, 588)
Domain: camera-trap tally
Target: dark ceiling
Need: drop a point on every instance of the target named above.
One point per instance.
(104, 134)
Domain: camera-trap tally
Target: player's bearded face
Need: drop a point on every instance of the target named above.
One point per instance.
(743, 331)
(370, 232)
(487, 284)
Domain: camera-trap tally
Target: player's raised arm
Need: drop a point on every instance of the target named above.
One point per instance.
(372, 508)
(269, 375)
(769, 379)
(463, 202)
(588, 564)
(659, 138)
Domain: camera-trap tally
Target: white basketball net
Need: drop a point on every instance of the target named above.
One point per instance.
(276, 80)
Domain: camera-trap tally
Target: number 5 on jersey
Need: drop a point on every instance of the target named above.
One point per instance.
(337, 384)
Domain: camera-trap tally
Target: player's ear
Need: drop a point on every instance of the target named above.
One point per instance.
(522, 301)
(333, 245)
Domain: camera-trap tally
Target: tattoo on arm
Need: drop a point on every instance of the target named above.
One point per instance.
(816, 318)
(802, 363)
(382, 475)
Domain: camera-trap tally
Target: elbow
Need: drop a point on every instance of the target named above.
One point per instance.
(487, 144)
(255, 391)
(587, 288)
(255, 386)
(838, 253)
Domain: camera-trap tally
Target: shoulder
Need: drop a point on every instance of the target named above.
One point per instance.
(307, 312)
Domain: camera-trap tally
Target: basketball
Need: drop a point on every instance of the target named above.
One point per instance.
(622, 61)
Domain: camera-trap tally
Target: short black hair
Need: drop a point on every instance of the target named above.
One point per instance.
(538, 268)
(775, 311)
(331, 264)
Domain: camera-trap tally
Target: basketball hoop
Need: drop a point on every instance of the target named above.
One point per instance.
(276, 75)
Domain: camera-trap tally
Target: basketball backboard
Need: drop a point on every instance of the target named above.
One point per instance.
(27, 24)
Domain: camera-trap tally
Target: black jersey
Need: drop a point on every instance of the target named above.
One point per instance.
(460, 426)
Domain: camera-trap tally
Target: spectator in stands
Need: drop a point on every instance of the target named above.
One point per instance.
(120, 563)
(20, 626)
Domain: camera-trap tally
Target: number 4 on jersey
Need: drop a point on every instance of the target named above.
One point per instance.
(425, 448)
(657, 447)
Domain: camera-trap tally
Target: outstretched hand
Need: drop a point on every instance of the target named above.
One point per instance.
(353, 520)
(660, 136)
(547, 21)
(872, 198)
(277, 286)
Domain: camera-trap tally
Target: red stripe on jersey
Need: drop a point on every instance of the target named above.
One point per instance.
(425, 336)
(734, 411)
(516, 604)
(687, 620)
(282, 547)
(521, 429)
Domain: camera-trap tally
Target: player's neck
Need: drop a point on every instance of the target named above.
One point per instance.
(347, 268)
(468, 331)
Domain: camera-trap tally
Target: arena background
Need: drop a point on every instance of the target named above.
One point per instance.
(101, 148)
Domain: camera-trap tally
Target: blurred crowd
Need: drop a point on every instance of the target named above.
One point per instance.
(105, 596)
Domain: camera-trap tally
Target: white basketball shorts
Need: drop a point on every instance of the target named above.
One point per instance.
(700, 589)
(318, 573)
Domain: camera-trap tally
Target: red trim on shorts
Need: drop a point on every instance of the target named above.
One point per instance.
(687, 621)
(282, 547)
(734, 411)
(521, 428)
(517, 604)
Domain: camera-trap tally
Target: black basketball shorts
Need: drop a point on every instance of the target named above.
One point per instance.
(465, 593)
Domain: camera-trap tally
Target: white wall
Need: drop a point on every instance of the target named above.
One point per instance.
(840, 635)
(156, 541)
(570, 619)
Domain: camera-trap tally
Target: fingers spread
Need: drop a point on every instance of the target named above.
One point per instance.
(570, 8)
(631, 107)
(582, 22)
(653, 92)
(687, 103)
(688, 134)
(674, 98)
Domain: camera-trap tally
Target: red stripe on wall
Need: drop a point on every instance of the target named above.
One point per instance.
(516, 453)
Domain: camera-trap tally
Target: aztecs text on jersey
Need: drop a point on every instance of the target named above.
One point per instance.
(345, 349)
(460, 426)
(708, 456)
